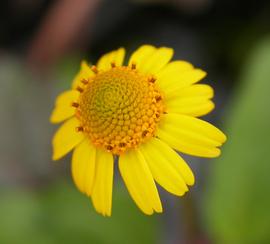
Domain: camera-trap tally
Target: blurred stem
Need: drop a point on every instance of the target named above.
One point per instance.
(192, 231)
(66, 27)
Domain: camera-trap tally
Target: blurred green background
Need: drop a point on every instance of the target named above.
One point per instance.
(41, 45)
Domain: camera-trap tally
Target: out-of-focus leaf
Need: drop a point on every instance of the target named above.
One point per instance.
(238, 202)
(65, 71)
(60, 214)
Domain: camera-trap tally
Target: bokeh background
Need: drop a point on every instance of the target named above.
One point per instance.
(41, 45)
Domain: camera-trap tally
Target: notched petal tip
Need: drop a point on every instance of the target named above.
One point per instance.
(169, 51)
(84, 64)
(149, 213)
(56, 157)
(221, 137)
(216, 153)
(52, 119)
(225, 138)
(159, 210)
(103, 213)
(190, 181)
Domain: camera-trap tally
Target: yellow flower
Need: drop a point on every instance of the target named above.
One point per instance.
(139, 112)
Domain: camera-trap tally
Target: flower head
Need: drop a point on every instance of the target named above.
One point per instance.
(140, 112)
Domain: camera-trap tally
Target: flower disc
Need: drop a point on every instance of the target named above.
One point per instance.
(119, 109)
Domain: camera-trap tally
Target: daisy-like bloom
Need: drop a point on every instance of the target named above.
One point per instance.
(141, 113)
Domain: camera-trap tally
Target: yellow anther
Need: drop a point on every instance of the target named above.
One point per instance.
(144, 133)
(79, 128)
(109, 148)
(152, 79)
(94, 69)
(158, 98)
(113, 64)
(79, 89)
(75, 105)
(122, 144)
(84, 81)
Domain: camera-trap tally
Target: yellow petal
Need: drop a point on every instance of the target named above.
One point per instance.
(167, 167)
(175, 67)
(194, 107)
(139, 181)
(177, 80)
(83, 166)
(155, 62)
(66, 138)
(63, 109)
(192, 100)
(103, 183)
(190, 135)
(141, 55)
(117, 56)
(198, 90)
(84, 73)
